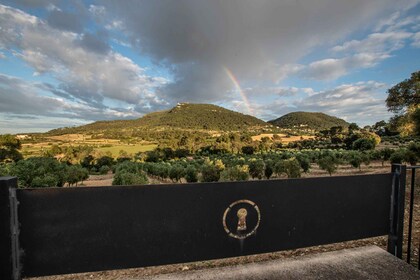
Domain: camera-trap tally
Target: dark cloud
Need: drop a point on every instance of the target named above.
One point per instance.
(66, 21)
(95, 42)
(254, 39)
(19, 98)
(32, 3)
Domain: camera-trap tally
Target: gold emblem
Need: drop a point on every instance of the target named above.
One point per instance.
(243, 228)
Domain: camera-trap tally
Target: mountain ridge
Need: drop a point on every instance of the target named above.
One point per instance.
(310, 120)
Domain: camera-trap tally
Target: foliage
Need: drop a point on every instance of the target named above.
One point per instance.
(269, 168)
(290, 167)
(315, 121)
(39, 171)
(126, 178)
(256, 169)
(191, 175)
(355, 159)
(9, 148)
(363, 144)
(235, 173)
(398, 156)
(185, 116)
(176, 172)
(404, 94)
(404, 101)
(328, 162)
(210, 173)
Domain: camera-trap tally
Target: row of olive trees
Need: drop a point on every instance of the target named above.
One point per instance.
(42, 172)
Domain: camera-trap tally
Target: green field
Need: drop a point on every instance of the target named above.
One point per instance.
(130, 149)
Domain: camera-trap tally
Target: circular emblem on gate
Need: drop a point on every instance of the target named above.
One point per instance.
(241, 219)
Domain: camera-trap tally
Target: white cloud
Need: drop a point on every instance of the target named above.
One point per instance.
(416, 40)
(84, 74)
(363, 102)
(333, 68)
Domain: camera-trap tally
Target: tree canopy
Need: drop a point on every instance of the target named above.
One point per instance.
(404, 94)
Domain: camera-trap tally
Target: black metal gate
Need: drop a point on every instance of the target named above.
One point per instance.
(68, 230)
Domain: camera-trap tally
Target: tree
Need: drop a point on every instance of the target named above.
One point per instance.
(9, 148)
(329, 163)
(176, 172)
(126, 178)
(363, 144)
(290, 167)
(355, 159)
(404, 101)
(353, 127)
(210, 173)
(404, 94)
(269, 168)
(235, 173)
(40, 172)
(191, 174)
(256, 169)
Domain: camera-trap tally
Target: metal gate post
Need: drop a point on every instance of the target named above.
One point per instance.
(395, 237)
(9, 230)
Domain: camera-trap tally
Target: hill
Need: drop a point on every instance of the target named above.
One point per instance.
(309, 120)
(182, 116)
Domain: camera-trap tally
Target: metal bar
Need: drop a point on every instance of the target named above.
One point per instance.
(413, 167)
(9, 248)
(410, 219)
(395, 237)
(401, 205)
(392, 219)
(14, 226)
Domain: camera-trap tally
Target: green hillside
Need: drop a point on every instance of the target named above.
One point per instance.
(309, 120)
(182, 116)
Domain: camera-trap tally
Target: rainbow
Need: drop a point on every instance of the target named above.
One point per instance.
(239, 89)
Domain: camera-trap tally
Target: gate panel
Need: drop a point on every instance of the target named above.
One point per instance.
(67, 230)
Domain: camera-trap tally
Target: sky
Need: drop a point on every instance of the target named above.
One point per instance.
(67, 63)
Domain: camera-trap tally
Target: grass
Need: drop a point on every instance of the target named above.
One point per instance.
(130, 149)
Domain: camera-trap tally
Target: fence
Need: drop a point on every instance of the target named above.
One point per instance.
(68, 230)
(412, 194)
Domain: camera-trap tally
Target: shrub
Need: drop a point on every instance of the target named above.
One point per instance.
(176, 172)
(355, 159)
(328, 163)
(210, 173)
(191, 174)
(256, 169)
(126, 178)
(269, 168)
(398, 156)
(235, 173)
(290, 167)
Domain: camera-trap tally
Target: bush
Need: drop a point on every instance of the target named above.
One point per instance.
(355, 159)
(398, 156)
(269, 169)
(44, 182)
(304, 162)
(127, 166)
(235, 173)
(126, 178)
(248, 150)
(328, 163)
(191, 174)
(363, 144)
(104, 170)
(256, 169)
(210, 173)
(290, 167)
(176, 172)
